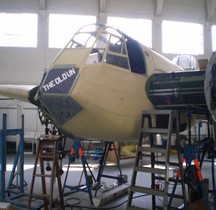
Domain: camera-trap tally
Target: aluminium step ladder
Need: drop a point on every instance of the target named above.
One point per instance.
(159, 170)
(47, 151)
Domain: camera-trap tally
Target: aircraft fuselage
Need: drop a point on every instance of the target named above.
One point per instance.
(97, 90)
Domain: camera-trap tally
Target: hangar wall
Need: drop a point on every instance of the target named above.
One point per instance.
(25, 65)
(28, 63)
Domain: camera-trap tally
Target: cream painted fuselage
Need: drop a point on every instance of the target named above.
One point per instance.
(112, 99)
(95, 87)
(109, 97)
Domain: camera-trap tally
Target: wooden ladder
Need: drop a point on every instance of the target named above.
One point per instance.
(47, 151)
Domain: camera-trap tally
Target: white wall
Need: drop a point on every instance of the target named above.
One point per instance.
(25, 65)
(13, 110)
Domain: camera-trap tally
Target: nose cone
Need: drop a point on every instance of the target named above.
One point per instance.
(54, 94)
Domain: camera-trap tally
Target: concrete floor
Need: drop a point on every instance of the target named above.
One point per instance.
(80, 200)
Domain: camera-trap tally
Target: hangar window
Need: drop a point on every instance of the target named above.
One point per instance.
(182, 38)
(63, 27)
(139, 29)
(18, 30)
(214, 38)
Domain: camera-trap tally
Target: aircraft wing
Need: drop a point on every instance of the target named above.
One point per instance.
(19, 92)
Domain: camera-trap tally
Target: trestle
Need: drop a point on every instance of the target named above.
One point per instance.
(47, 151)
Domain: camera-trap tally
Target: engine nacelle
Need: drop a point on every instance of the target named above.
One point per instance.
(210, 86)
(188, 91)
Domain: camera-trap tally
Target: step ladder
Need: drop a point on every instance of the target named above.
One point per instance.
(160, 164)
(47, 151)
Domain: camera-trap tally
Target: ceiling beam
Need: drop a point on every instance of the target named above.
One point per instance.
(210, 6)
(43, 4)
(102, 5)
(158, 11)
(158, 7)
(102, 11)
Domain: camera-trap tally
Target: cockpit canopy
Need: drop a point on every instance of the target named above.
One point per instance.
(111, 46)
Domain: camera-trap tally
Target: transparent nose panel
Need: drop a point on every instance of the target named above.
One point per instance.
(107, 45)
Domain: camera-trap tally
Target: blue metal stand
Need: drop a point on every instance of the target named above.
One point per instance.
(102, 164)
(209, 146)
(189, 157)
(77, 151)
(3, 157)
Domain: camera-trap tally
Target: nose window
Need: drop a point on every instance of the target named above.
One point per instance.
(116, 53)
(110, 49)
(105, 44)
(116, 45)
(95, 56)
(116, 60)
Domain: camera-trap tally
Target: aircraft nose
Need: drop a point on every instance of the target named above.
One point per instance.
(54, 94)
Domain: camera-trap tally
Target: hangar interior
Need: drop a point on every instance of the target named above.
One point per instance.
(31, 36)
